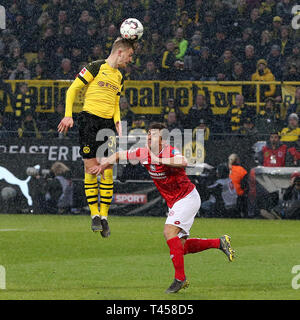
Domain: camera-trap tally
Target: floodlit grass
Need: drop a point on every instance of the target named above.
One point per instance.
(58, 257)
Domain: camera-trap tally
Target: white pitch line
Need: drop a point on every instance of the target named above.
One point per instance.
(6, 230)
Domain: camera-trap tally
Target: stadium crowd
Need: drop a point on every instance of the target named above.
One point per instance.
(221, 40)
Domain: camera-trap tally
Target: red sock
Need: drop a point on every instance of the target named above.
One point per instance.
(197, 245)
(177, 252)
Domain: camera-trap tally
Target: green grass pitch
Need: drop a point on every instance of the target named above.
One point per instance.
(58, 257)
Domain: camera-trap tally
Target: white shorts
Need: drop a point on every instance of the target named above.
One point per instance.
(183, 213)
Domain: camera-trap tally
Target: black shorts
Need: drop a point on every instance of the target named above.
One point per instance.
(89, 126)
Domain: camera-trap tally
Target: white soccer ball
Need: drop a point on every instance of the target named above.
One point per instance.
(131, 29)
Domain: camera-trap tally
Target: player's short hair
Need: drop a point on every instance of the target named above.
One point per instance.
(121, 43)
(161, 127)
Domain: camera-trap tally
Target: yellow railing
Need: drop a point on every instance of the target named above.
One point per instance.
(146, 97)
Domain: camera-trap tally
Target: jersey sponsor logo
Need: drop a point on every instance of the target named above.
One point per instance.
(130, 198)
(82, 72)
(107, 85)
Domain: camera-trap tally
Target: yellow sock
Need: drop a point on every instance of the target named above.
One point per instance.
(106, 192)
(91, 192)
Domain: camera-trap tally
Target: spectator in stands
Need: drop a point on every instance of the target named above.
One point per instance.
(249, 61)
(273, 153)
(172, 122)
(180, 43)
(264, 74)
(83, 23)
(223, 197)
(292, 73)
(22, 102)
(248, 130)
(239, 178)
(291, 197)
(151, 72)
(168, 61)
(62, 21)
(40, 72)
(284, 10)
(3, 130)
(155, 47)
(193, 52)
(125, 111)
(186, 24)
(238, 73)
(204, 66)
(130, 73)
(40, 59)
(202, 124)
(225, 65)
(284, 42)
(293, 155)
(65, 72)
(208, 28)
(138, 125)
(171, 106)
(109, 38)
(295, 107)
(220, 42)
(54, 119)
(267, 11)
(48, 42)
(91, 39)
(67, 39)
(96, 54)
(77, 56)
(255, 23)
(239, 112)
(200, 110)
(274, 61)
(265, 45)
(28, 127)
(268, 119)
(292, 132)
(276, 28)
(293, 59)
(198, 12)
(240, 44)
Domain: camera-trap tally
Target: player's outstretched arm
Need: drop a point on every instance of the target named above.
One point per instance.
(108, 162)
(179, 161)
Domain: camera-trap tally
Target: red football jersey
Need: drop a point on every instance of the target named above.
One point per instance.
(172, 183)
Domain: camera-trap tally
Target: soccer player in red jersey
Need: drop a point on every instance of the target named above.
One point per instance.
(166, 166)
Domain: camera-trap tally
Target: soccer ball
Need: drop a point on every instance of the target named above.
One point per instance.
(131, 29)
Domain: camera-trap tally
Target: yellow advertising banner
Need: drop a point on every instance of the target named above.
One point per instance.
(151, 96)
(145, 97)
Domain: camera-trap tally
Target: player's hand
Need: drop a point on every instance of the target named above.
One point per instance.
(119, 128)
(97, 170)
(65, 124)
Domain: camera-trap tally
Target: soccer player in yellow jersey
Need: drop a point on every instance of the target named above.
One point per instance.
(100, 111)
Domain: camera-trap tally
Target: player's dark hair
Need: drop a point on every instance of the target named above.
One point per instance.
(122, 43)
(161, 127)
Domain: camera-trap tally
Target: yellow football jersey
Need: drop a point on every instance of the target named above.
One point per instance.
(104, 85)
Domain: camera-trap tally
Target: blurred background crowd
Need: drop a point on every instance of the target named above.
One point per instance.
(216, 40)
